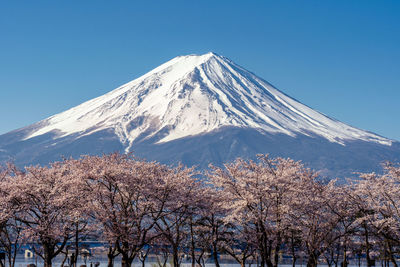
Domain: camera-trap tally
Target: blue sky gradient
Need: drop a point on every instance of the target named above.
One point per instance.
(339, 57)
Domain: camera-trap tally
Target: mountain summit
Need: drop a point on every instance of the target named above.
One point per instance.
(187, 98)
(191, 95)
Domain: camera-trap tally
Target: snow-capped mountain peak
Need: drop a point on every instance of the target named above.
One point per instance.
(192, 95)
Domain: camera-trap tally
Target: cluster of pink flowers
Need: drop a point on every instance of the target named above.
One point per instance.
(254, 211)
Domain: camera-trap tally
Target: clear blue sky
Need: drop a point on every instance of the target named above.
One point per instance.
(341, 57)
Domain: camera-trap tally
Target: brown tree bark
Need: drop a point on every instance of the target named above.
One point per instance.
(391, 257)
(110, 257)
(126, 261)
(175, 256)
(312, 260)
(367, 245)
(277, 249)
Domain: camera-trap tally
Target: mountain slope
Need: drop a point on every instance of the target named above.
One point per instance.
(198, 100)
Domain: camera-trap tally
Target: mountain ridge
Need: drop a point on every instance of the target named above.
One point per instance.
(183, 99)
(243, 110)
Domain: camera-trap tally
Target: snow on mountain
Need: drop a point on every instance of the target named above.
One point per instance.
(192, 95)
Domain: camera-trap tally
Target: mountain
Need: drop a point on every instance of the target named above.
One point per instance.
(199, 109)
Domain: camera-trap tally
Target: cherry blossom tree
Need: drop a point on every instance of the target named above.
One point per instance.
(211, 229)
(241, 243)
(11, 238)
(342, 208)
(124, 191)
(364, 203)
(180, 198)
(312, 214)
(260, 193)
(378, 200)
(293, 243)
(47, 199)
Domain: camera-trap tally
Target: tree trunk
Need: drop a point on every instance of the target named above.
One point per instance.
(369, 262)
(277, 249)
(110, 257)
(262, 244)
(293, 250)
(65, 258)
(126, 261)
(48, 262)
(269, 253)
(215, 255)
(76, 245)
(200, 260)
(215, 241)
(14, 256)
(243, 260)
(47, 259)
(294, 259)
(328, 259)
(345, 262)
(175, 256)
(312, 260)
(391, 257)
(163, 261)
(262, 256)
(166, 256)
(176, 260)
(269, 262)
(192, 244)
